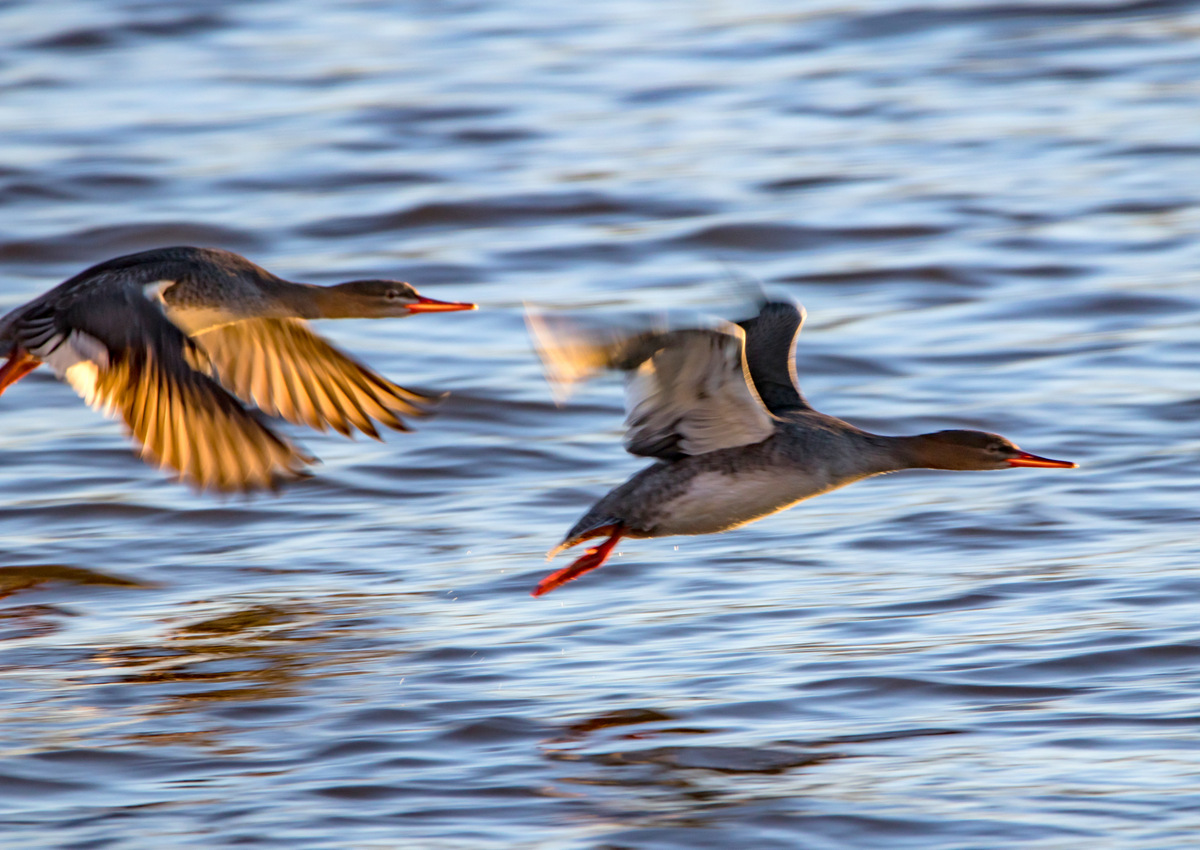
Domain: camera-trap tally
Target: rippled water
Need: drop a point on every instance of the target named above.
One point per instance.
(989, 210)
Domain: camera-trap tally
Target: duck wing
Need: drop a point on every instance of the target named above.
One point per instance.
(288, 371)
(687, 392)
(770, 354)
(117, 350)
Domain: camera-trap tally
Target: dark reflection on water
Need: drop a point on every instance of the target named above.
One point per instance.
(13, 579)
(989, 211)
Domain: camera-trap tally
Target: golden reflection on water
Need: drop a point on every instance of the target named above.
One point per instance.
(259, 652)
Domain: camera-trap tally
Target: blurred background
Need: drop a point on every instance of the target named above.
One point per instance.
(989, 210)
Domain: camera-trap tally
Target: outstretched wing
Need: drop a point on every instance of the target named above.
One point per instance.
(687, 392)
(287, 370)
(186, 421)
(770, 343)
(125, 358)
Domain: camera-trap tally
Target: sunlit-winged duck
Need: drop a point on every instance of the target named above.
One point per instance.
(170, 340)
(734, 438)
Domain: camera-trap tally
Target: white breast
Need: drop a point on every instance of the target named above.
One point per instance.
(714, 501)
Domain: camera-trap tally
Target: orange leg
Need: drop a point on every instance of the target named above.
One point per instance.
(19, 364)
(588, 561)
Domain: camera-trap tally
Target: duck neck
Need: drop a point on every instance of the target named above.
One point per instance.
(891, 454)
(844, 453)
(916, 452)
(308, 301)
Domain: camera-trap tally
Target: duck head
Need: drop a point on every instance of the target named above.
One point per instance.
(378, 299)
(975, 450)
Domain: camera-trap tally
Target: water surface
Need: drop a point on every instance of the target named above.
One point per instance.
(989, 210)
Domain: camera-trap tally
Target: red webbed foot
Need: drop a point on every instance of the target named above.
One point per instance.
(586, 562)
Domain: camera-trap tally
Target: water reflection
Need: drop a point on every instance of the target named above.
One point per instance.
(17, 578)
(243, 656)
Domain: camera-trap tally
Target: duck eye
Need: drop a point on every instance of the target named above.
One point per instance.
(392, 294)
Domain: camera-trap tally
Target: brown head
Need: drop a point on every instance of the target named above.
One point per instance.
(380, 299)
(974, 450)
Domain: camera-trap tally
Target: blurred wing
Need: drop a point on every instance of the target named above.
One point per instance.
(123, 356)
(687, 392)
(692, 395)
(287, 370)
(569, 353)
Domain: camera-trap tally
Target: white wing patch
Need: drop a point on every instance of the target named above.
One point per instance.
(78, 359)
(156, 290)
(82, 377)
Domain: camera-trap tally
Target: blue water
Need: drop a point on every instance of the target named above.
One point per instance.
(990, 211)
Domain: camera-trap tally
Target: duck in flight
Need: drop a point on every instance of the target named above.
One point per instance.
(734, 439)
(176, 341)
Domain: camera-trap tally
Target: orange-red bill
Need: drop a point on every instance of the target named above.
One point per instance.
(1026, 459)
(432, 305)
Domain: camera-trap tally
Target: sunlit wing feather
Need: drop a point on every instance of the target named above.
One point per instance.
(688, 392)
(185, 421)
(109, 341)
(288, 371)
(181, 418)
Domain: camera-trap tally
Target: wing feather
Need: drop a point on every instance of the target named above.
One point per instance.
(770, 343)
(342, 398)
(115, 347)
(185, 421)
(287, 370)
(322, 398)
